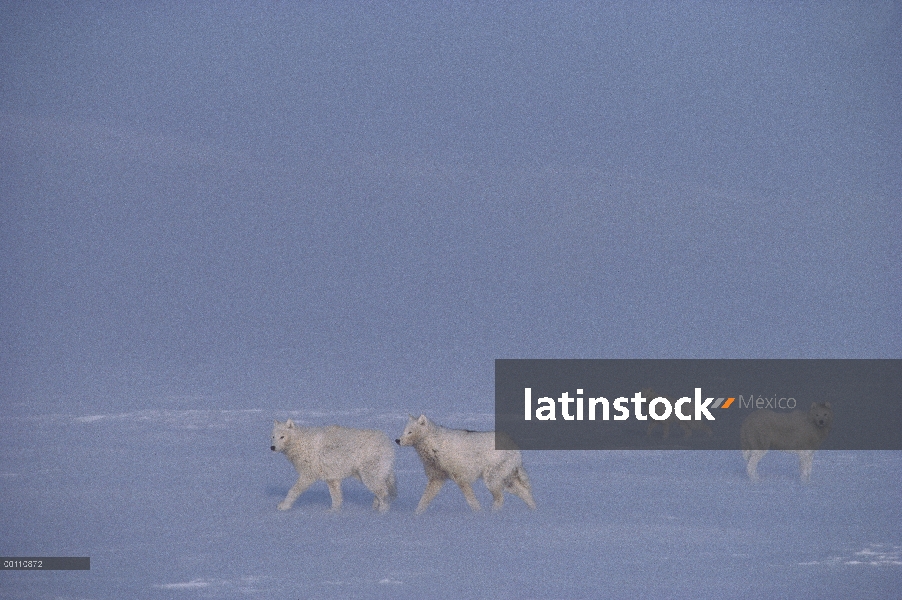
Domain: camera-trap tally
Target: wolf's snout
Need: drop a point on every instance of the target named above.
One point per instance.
(398, 441)
(273, 448)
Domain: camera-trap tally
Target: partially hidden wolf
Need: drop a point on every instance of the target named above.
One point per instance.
(799, 432)
(687, 426)
(465, 456)
(334, 453)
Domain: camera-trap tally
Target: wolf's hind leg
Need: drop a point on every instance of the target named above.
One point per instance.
(496, 487)
(754, 457)
(335, 493)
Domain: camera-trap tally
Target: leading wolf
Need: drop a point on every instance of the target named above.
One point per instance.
(465, 456)
(334, 453)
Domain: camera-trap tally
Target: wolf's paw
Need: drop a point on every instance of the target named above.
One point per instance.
(284, 505)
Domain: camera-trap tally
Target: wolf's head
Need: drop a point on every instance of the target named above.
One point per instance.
(281, 432)
(821, 415)
(416, 428)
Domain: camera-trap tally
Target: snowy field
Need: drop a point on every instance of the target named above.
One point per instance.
(182, 504)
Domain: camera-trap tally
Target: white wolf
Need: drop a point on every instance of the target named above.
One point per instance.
(465, 456)
(334, 453)
(799, 432)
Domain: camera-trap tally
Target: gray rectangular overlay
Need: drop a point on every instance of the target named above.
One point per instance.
(558, 395)
(45, 563)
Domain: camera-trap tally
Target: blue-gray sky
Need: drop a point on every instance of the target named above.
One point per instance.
(362, 203)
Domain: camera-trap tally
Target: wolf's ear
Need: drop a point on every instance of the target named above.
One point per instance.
(276, 422)
(826, 404)
(813, 405)
(422, 420)
(290, 424)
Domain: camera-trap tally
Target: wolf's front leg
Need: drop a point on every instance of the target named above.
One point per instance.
(296, 490)
(429, 494)
(806, 458)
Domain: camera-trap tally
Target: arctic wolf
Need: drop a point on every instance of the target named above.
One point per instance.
(464, 457)
(687, 426)
(334, 453)
(799, 432)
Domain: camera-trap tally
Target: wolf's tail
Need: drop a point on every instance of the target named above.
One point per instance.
(520, 486)
(522, 477)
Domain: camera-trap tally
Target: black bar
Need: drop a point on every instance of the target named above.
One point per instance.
(45, 563)
(546, 404)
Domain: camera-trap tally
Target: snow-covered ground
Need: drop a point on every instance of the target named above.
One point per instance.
(217, 214)
(182, 504)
